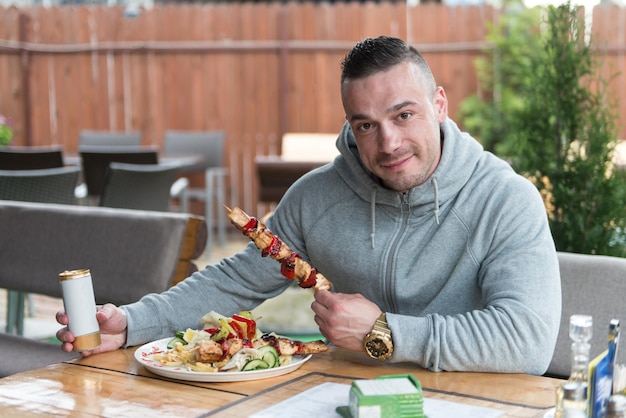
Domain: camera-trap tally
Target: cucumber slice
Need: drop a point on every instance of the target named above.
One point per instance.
(269, 355)
(172, 343)
(255, 364)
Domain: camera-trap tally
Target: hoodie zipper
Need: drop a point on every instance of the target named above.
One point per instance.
(405, 209)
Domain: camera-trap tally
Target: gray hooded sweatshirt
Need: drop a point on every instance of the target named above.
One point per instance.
(464, 264)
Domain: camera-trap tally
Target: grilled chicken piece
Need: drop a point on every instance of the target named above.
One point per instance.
(209, 351)
(234, 346)
(287, 347)
(314, 347)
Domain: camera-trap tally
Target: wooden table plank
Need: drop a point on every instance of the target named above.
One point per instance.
(70, 389)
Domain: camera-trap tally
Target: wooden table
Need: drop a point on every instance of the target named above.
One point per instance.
(114, 385)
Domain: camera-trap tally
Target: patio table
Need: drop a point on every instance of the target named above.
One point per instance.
(115, 384)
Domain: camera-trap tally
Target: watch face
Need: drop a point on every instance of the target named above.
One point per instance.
(377, 348)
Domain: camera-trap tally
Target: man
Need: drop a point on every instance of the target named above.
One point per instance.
(438, 252)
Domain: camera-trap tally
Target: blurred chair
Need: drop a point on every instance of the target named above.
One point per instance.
(35, 158)
(109, 138)
(48, 185)
(143, 186)
(590, 285)
(210, 145)
(30, 158)
(95, 161)
(276, 176)
(301, 152)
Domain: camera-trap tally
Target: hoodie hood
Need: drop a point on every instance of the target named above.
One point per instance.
(460, 155)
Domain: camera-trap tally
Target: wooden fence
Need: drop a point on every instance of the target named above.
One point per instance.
(255, 71)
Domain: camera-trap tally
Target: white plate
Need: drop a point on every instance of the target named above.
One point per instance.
(145, 353)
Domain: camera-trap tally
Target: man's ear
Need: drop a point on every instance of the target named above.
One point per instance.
(440, 102)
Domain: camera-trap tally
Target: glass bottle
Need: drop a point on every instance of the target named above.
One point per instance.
(580, 332)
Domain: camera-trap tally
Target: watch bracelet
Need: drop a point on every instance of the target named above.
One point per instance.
(381, 326)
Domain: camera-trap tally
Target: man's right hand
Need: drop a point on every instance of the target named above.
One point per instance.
(112, 321)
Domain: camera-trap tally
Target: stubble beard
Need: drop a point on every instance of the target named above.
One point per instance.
(402, 182)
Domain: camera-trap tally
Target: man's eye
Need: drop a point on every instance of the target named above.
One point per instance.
(404, 115)
(365, 126)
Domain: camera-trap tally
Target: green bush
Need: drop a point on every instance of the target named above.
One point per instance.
(502, 73)
(549, 114)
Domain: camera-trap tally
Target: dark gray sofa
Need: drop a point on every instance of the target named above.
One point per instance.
(130, 253)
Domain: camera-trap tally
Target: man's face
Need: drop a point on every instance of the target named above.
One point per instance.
(395, 121)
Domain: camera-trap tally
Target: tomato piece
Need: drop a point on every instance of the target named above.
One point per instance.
(272, 249)
(310, 281)
(299, 346)
(288, 265)
(250, 226)
(225, 344)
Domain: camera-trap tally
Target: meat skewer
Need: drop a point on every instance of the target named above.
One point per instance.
(289, 347)
(211, 351)
(292, 266)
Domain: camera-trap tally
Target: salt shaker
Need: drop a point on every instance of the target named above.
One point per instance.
(616, 407)
(574, 400)
(80, 306)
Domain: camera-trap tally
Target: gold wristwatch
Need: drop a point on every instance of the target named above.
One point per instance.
(378, 344)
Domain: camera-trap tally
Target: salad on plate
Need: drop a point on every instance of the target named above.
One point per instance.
(232, 344)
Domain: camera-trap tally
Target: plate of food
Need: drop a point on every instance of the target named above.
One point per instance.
(145, 356)
(226, 350)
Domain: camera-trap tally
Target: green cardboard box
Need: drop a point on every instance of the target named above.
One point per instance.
(398, 396)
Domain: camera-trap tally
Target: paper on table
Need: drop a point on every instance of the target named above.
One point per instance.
(436, 408)
(321, 401)
(317, 402)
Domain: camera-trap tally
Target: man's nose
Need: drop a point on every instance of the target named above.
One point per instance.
(390, 139)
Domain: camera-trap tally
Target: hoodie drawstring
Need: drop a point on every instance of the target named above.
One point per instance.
(373, 215)
(436, 188)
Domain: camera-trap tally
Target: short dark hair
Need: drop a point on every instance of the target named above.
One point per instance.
(372, 55)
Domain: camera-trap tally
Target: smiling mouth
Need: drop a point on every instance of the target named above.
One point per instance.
(396, 165)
